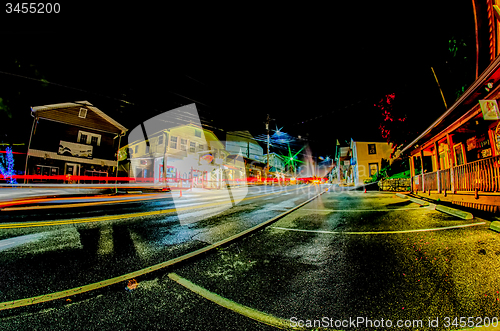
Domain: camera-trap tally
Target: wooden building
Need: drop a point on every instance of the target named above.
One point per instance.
(457, 158)
(186, 156)
(71, 140)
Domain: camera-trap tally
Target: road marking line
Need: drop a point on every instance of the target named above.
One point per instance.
(34, 200)
(82, 204)
(122, 278)
(380, 232)
(234, 306)
(359, 210)
(116, 217)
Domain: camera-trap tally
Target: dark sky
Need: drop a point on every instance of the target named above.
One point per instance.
(316, 71)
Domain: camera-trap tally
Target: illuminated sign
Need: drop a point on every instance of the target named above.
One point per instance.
(489, 109)
(206, 159)
(74, 149)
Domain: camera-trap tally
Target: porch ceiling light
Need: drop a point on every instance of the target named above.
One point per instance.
(489, 85)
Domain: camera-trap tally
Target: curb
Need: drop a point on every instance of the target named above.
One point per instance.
(495, 226)
(448, 210)
(455, 212)
(420, 202)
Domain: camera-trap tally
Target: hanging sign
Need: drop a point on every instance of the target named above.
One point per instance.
(490, 109)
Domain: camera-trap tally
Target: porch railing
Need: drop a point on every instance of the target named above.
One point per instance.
(430, 181)
(483, 175)
(445, 180)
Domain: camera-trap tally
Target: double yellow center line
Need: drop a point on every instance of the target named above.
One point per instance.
(123, 216)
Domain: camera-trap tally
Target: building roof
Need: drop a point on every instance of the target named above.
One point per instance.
(462, 106)
(68, 113)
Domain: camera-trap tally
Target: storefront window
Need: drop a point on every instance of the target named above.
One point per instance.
(459, 154)
(443, 160)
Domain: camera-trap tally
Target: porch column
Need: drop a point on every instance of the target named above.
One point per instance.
(438, 166)
(412, 172)
(452, 161)
(422, 168)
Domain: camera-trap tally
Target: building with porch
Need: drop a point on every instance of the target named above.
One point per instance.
(457, 158)
(71, 140)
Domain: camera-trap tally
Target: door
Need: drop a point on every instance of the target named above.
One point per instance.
(71, 170)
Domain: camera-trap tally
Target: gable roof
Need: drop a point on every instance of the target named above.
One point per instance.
(68, 113)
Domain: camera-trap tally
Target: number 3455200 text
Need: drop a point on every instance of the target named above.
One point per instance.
(32, 8)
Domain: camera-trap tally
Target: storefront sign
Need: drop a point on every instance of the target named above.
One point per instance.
(74, 149)
(485, 153)
(489, 109)
(471, 143)
(497, 138)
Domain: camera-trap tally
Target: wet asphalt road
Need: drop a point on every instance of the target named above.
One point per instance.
(36, 260)
(313, 264)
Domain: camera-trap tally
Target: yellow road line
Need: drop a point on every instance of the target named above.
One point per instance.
(35, 200)
(82, 204)
(381, 232)
(115, 217)
(234, 306)
(115, 280)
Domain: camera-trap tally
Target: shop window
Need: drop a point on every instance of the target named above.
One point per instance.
(459, 154)
(443, 160)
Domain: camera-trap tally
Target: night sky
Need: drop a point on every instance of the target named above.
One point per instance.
(316, 71)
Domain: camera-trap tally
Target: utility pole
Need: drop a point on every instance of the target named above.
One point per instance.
(440, 90)
(268, 119)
